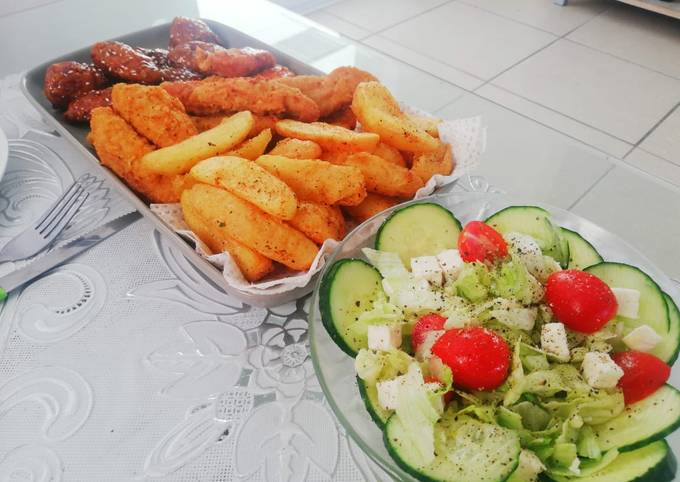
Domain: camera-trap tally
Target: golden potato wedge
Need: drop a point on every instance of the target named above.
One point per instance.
(180, 158)
(296, 149)
(254, 147)
(319, 222)
(249, 225)
(428, 124)
(252, 264)
(372, 205)
(330, 137)
(248, 181)
(317, 181)
(379, 112)
(260, 122)
(334, 157)
(439, 161)
(383, 177)
(390, 154)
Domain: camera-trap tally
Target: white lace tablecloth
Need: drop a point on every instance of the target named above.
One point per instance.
(126, 364)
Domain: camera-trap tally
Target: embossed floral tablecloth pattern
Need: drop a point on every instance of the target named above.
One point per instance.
(126, 364)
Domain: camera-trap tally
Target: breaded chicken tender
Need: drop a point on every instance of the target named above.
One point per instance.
(331, 92)
(119, 147)
(212, 59)
(216, 95)
(154, 113)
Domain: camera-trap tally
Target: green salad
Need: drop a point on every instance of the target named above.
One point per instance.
(507, 350)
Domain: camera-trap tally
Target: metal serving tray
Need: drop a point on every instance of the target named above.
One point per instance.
(157, 37)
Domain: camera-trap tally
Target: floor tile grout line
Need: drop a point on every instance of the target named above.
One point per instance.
(446, 64)
(420, 69)
(325, 10)
(466, 2)
(487, 82)
(675, 164)
(594, 49)
(561, 113)
(547, 126)
(604, 10)
(589, 190)
(655, 126)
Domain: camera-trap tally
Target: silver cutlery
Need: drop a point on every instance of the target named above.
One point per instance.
(42, 232)
(64, 253)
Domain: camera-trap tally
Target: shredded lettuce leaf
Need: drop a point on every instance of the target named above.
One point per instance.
(417, 414)
(373, 366)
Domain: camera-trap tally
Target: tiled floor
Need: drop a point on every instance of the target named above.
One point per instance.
(581, 102)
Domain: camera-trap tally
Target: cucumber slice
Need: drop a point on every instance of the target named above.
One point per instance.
(418, 230)
(652, 463)
(466, 451)
(369, 394)
(347, 290)
(581, 253)
(653, 308)
(535, 222)
(642, 422)
(668, 349)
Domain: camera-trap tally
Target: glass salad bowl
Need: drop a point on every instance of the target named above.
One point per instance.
(335, 369)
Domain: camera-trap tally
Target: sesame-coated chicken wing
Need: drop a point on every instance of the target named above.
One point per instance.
(185, 30)
(65, 81)
(80, 109)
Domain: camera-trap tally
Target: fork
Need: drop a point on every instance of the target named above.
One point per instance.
(38, 236)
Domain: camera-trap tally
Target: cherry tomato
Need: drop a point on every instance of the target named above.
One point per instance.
(580, 300)
(481, 242)
(643, 374)
(448, 396)
(426, 323)
(479, 358)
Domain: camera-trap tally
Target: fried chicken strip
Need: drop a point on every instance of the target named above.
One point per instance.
(331, 92)
(213, 59)
(216, 95)
(153, 112)
(119, 147)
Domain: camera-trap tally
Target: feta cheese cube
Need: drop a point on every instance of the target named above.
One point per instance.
(451, 263)
(427, 268)
(642, 338)
(629, 302)
(388, 392)
(600, 371)
(554, 341)
(384, 337)
(424, 350)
